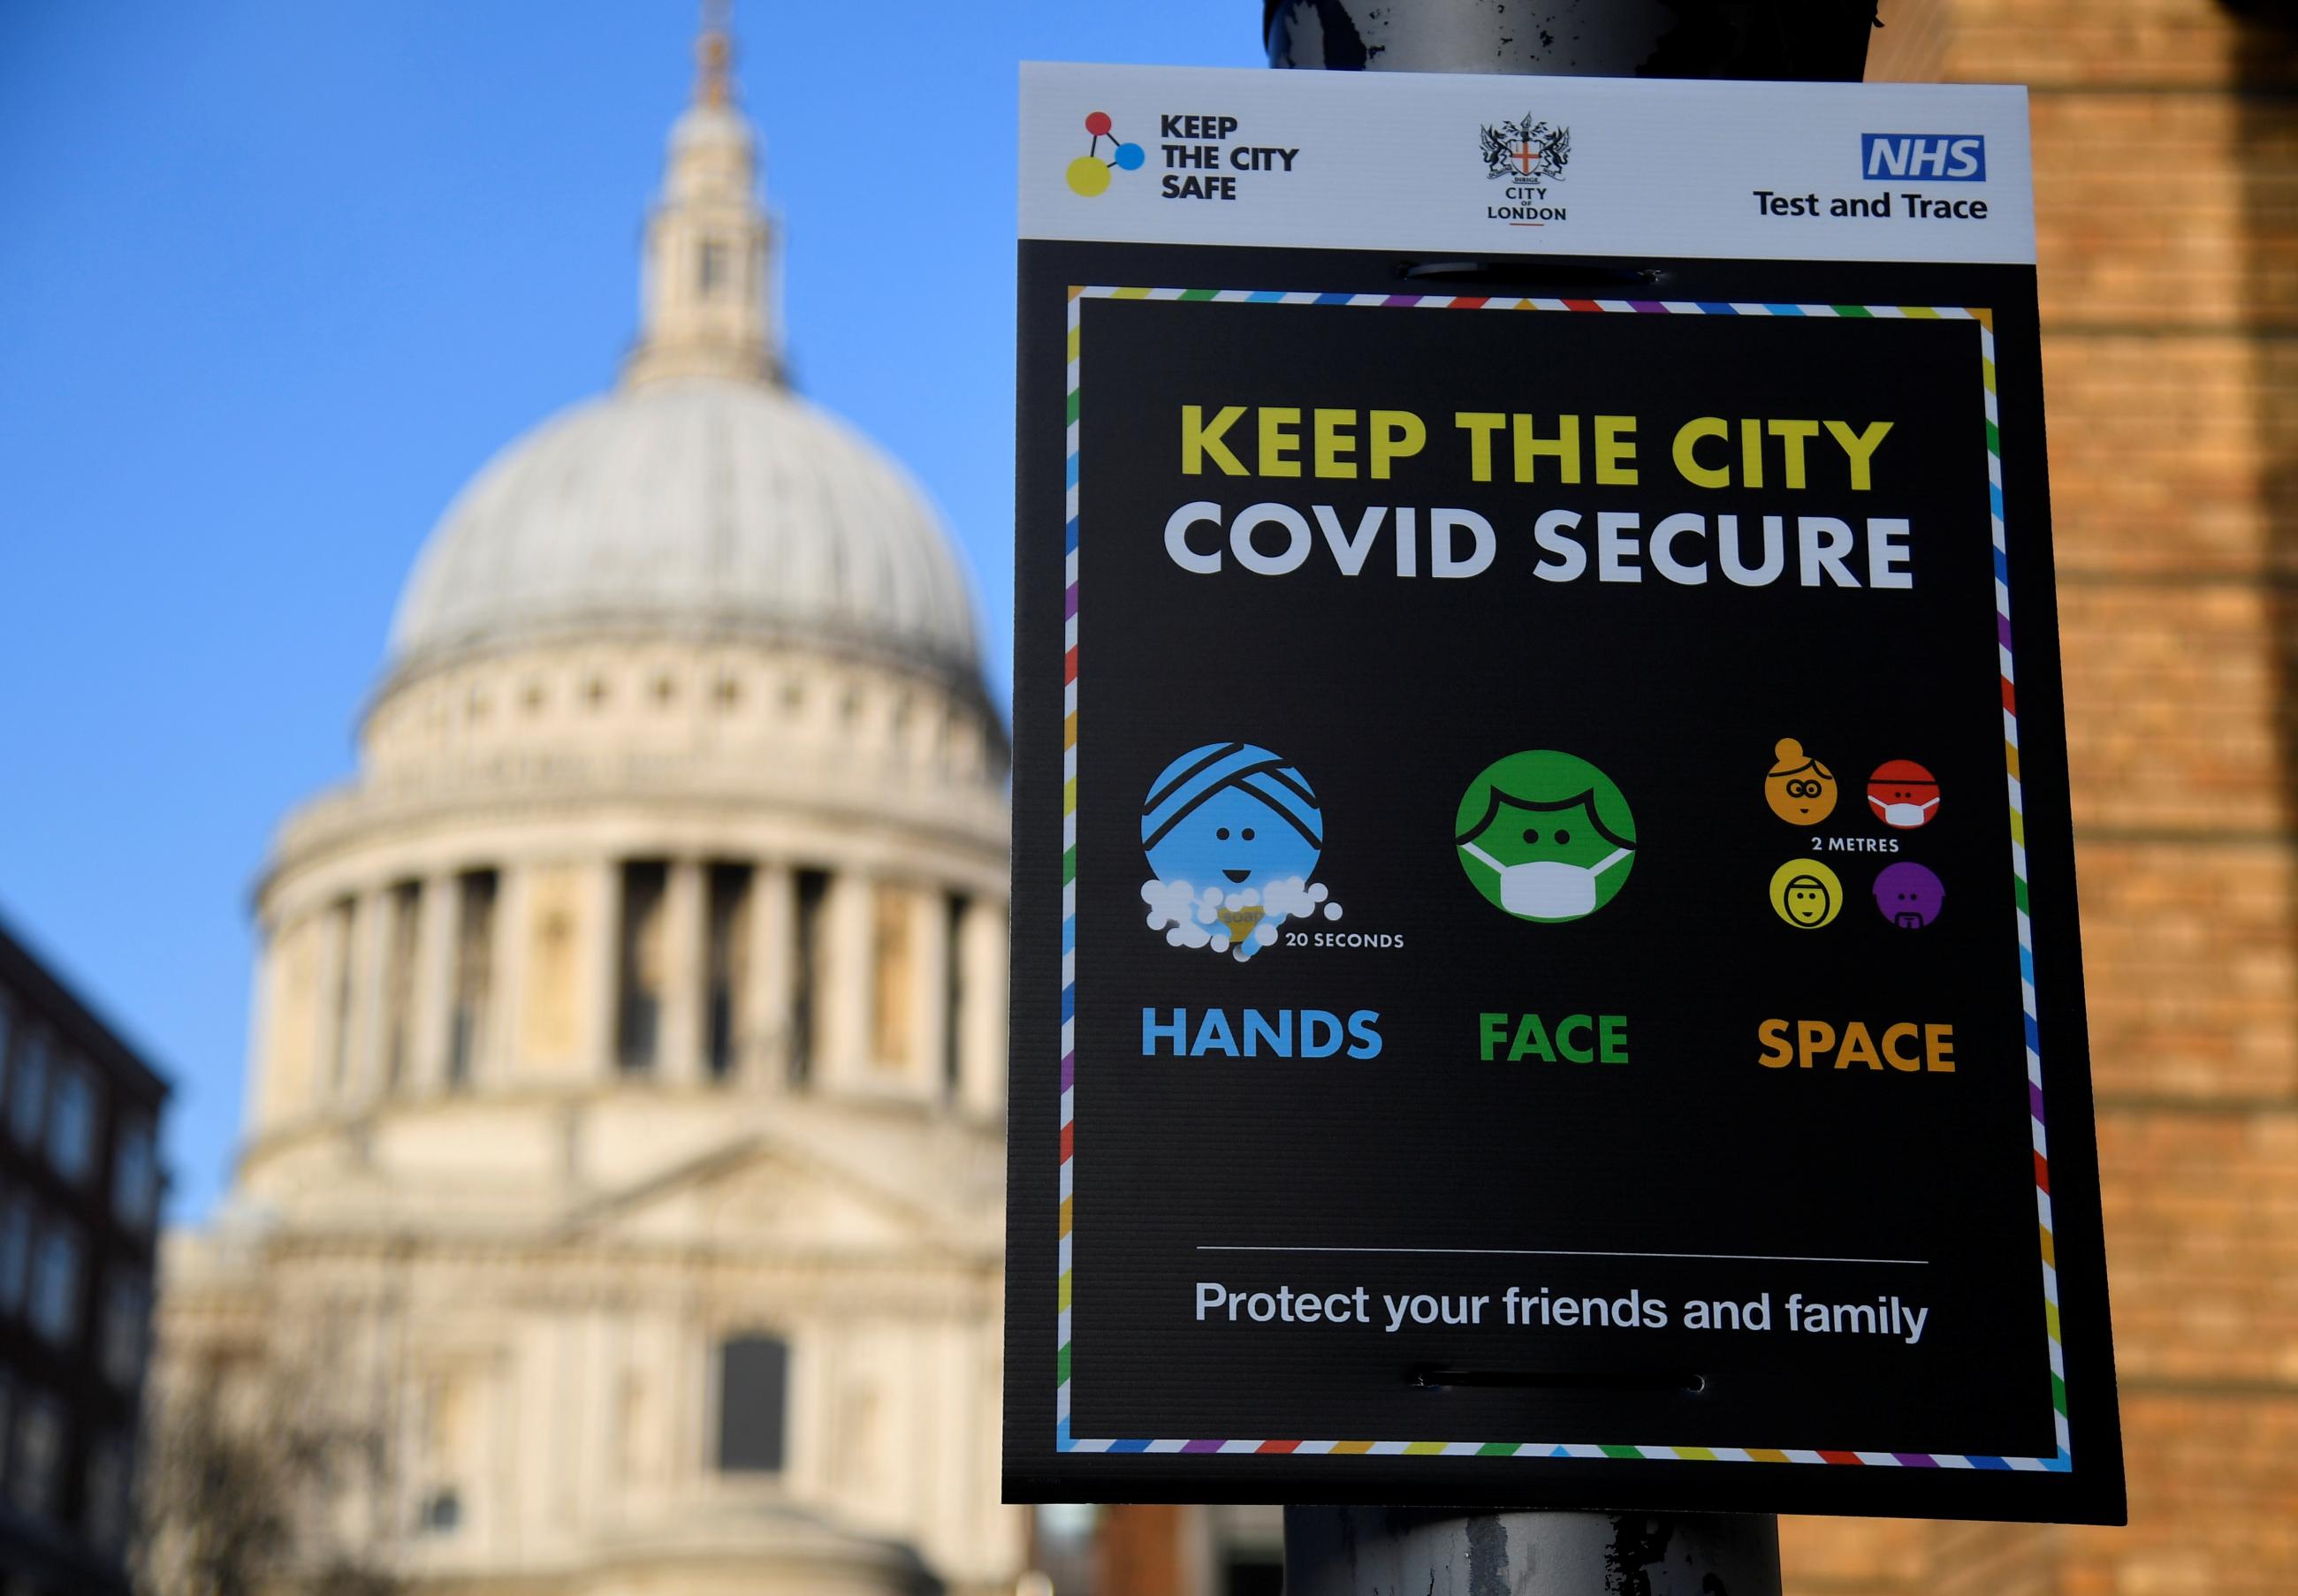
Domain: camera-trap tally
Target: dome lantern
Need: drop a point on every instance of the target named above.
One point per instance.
(707, 271)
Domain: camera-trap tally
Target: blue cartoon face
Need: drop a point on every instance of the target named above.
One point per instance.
(1231, 816)
(1232, 832)
(1233, 840)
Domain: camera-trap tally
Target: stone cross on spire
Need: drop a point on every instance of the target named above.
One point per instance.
(708, 267)
(713, 56)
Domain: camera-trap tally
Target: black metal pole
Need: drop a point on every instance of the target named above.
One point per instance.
(1423, 1552)
(1399, 1551)
(1780, 39)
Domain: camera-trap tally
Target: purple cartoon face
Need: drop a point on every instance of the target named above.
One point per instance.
(1909, 894)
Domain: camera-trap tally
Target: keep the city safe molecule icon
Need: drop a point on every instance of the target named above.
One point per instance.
(1089, 173)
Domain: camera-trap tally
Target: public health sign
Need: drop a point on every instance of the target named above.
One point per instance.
(1546, 967)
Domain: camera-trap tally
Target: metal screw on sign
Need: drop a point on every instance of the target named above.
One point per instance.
(1380, 1551)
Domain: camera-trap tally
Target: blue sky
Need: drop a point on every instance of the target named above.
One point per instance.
(276, 278)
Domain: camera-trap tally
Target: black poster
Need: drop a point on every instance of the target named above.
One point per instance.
(1545, 937)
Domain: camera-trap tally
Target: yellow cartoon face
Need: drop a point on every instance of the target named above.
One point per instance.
(1799, 788)
(1807, 894)
(1807, 902)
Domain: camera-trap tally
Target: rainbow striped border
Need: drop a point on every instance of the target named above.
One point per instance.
(1067, 1443)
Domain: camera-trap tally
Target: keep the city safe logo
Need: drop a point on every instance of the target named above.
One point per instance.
(1545, 836)
(1090, 173)
(1201, 154)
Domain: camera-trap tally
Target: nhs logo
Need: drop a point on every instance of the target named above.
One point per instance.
(1934, 157)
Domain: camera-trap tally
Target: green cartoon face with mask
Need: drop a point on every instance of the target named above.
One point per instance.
(1545, 836)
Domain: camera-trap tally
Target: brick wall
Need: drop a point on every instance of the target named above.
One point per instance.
(2166, 151)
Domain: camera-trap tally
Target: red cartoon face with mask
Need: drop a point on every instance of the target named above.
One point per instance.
(1903, 795)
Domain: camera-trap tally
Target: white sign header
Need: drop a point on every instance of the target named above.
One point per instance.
(1523, 165)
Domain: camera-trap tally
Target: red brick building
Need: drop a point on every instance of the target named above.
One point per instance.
(2166, 180)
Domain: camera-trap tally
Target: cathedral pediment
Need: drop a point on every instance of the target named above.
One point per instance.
(760, 1195)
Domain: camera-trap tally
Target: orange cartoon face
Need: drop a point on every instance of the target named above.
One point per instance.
(1799, 788)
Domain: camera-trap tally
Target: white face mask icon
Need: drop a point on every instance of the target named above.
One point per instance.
(1905, 817)
(1547, 888)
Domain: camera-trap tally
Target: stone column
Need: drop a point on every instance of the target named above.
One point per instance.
(498, 1057)
(337, 1027)
(686, 1391)
(686, 914)
(815, 1374)
(764, 1058)
(369, 1003)
(434, 980)
(502, 1428)
(597, 928)
(981, 1018)
(929, 993)
(262, 1030)
(850, 975)
(598, 1398)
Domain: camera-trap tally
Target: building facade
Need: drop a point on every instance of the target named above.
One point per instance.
(79, 1200)
(625, 1126)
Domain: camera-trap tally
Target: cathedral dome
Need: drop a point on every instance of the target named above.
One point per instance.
(691, 503)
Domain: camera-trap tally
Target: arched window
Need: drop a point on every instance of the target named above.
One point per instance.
(753, 1404)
